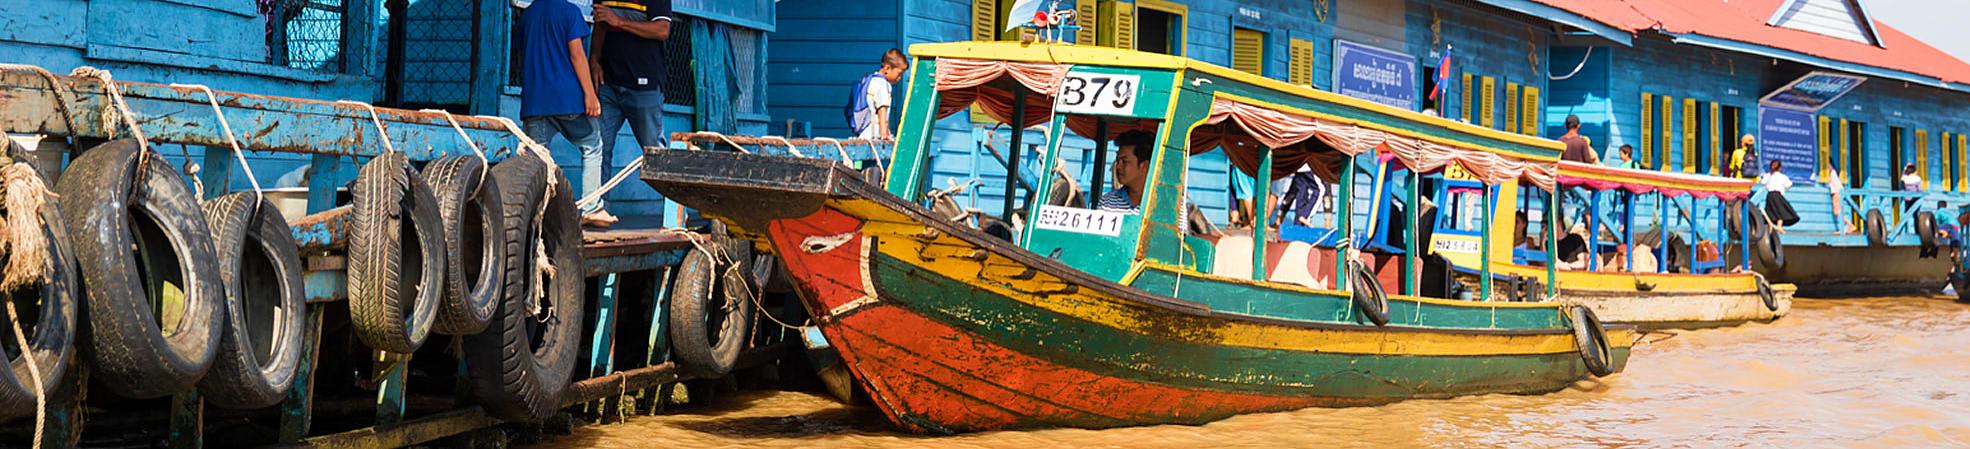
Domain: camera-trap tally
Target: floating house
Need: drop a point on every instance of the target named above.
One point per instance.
(418, 54)
(1819, 82)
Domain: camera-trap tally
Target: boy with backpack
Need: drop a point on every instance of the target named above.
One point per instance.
(869, 104)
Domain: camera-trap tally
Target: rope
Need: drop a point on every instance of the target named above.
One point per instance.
(838, 147)
(620, 176)
(461, 133)
(731, 267)
(239, 153)
(728, 140)
(118, 109)
(790, 146)
(378, 120)
(542, 264)
(33, 373)
(1576, 69)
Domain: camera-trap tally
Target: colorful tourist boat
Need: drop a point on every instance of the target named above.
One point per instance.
(1631, 272)
(1083, 317)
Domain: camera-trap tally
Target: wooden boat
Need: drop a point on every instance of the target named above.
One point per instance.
(1092, 318)
(1671, 284)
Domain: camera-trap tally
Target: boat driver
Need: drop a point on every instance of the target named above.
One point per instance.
(1133, 150)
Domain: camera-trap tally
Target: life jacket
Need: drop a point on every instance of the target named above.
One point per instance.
(858, 101)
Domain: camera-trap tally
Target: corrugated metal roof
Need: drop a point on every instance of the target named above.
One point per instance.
(1743, 25)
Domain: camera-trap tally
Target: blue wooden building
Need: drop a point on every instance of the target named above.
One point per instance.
(444, 54)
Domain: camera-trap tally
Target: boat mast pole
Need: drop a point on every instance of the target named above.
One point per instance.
(1553, 241)
(1744, 233)
(1261, 186)
(1412, 260)
(1018, 143)
(1484, 245)
(1662, 246)
(1628, 227)
(1343, 212)
(1593, 232)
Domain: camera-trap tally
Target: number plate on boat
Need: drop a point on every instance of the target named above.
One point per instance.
(1083, 221)
(1098, 94)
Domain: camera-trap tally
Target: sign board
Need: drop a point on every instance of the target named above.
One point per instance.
(1812, 92)
(1080, 221)
(1374, 74)
(1789, 136)
(1114, 92)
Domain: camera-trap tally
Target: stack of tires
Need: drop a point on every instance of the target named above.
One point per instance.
(166, 294)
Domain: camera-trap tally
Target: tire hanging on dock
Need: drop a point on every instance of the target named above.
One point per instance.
(1592, 339)
(1368, 295)
(48, 310)
(261, 345)
(133, 352)
(396, 255)
(1925, 228)
(1770, 250)
(521, 364)
(709, 308)
(1876, 228)
(475, 240)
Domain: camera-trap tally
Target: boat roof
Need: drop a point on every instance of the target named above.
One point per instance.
(1540, 149)
(1602, 177)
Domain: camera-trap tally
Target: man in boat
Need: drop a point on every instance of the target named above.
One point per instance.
(1130, 168)
(557, 91)
(1578, 148)
(629, 42)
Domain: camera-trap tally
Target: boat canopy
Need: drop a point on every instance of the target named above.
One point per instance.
(1600, 177)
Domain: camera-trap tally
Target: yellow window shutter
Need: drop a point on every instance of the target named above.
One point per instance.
(1118, 24)
(1826, 145)
(1511, 107)
(1716, 130)
(1531, 111)
(1647, 158)
(1299, 66)
(1668, 133)
(984, 20)
(1085, 15)
(1845, 148)
(1963, 176)
(1689, 135)
(1922, 156)
(1248, 51)
(1466, 92)
(1486, 96)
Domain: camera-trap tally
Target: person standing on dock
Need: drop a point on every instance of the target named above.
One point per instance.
(629, 38)
(557, 91)
(1578, 147)
(1777, 208)
(1746, 151)
(869, 102)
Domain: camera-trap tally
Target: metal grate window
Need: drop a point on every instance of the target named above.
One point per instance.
(681, 87)
(747, 68)
(306, 34)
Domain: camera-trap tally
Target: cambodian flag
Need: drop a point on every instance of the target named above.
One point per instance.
(1442, 73)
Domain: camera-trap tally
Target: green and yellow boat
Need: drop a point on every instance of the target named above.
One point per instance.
(1075, 316)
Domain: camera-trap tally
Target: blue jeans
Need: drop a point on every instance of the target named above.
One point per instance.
(643, 110)
(580, 130)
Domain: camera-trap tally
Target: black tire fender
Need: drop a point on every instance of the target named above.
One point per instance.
(1592, 339)
(130, 352)
(1876, 228)
(1368, 295)
(51, 322)
(708, 311)
(1770, 250)
(1765, 294)
(1925, 228)
(522, 363)
(469, 203)
(265, 307)
(396, 255)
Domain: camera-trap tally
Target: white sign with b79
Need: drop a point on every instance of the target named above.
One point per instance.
(1098, 94)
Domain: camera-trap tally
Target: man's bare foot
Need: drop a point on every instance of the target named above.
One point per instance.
(598, 219)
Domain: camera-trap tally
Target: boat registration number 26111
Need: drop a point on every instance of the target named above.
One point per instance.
(1098, 93)
(1081, 221)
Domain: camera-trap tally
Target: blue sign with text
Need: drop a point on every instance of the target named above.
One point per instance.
(1789, 136)
(1375, 74)
(1813, 91)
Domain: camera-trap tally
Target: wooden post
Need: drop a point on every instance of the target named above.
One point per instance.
(1662, 243)
(1344, 221)
(1484, 243)
(1628, 227)
(1553, 242)
(188, 408)
(601, 351)
(392, 369)
(659, 341)
(1412, 263)
(297, 411)
(1261, 186)
(1593, 231)
(1744, 233)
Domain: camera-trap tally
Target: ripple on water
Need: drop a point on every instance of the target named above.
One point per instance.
(1880, 372)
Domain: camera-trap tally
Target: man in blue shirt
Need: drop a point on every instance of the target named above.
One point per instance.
(557, 96)
(629, 42)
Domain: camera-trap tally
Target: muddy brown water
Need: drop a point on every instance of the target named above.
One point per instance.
(1878, 372)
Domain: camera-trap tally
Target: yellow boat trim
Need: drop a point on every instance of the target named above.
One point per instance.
(1661, 180)
(1113, 57)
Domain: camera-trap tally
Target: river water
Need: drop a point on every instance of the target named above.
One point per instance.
(1878, 372)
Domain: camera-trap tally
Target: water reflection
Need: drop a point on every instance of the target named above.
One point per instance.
(1881, 372)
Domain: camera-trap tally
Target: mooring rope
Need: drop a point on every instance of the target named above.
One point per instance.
(62, 93)
(33, 373)
(118, 109)
(543, 266)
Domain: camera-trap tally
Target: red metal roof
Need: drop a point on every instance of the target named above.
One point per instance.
(1745, 21)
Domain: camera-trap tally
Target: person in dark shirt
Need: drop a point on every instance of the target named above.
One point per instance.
(629, 38)
(1578, 147)
(557, 95)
